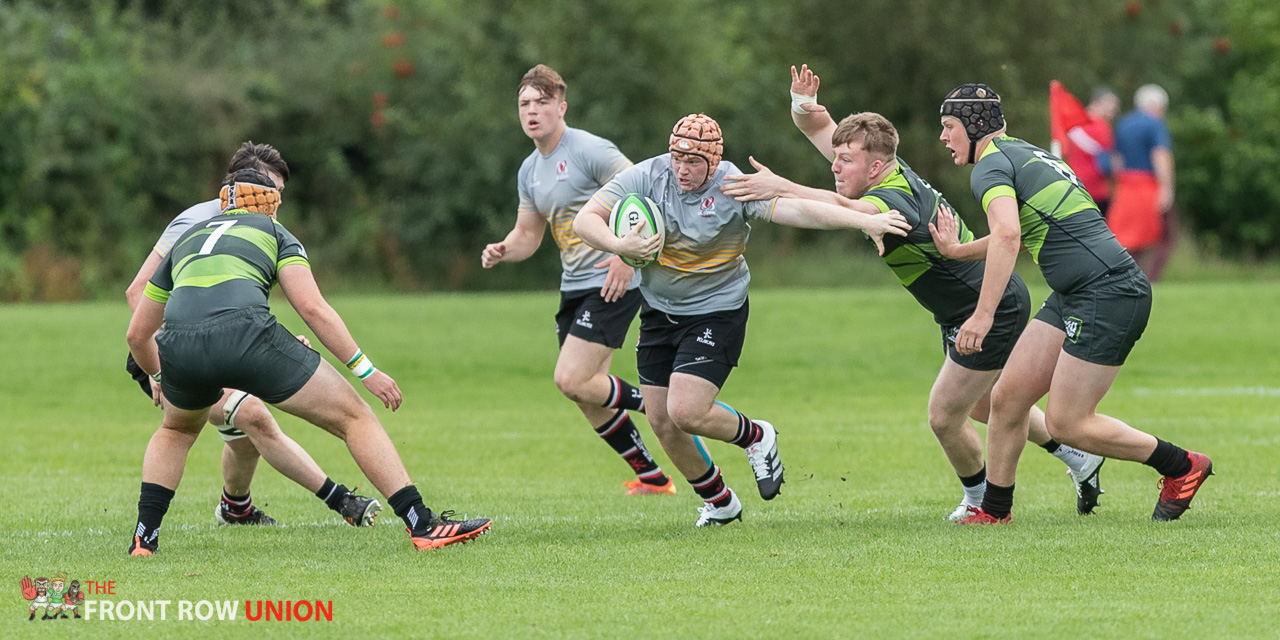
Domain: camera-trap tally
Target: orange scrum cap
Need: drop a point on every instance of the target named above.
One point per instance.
(698, 134)
(250, 190)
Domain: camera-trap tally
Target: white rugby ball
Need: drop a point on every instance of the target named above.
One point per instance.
(627, 213)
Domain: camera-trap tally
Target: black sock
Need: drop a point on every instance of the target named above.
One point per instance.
(621, 434)
(749, 432)
(975, 479)
(237, 506)
(332, 493)
(1051, 446)
(153, 503)
(407, 503)
(1169, 460)
(624, 396)
(711, 488)
(997, 502)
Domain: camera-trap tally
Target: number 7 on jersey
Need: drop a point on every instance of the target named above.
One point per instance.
(222, 225)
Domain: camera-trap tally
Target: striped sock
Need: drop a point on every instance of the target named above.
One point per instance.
(711, 488)
(623, 396)
(749, 432)
(153, 504)
(238, 507)
(621, 434)
(332, 493)
(407, 503)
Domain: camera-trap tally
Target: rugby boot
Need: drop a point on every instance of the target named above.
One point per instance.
(765, 462)
(442, 531)
(710, 515)
(1176, 493)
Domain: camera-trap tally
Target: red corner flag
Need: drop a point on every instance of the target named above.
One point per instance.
(1065, 113)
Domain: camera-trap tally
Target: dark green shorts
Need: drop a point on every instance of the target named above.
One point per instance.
(246, 350)
(1102, 319)
(1008, 325)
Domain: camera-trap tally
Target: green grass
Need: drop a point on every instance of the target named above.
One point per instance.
(855, 546)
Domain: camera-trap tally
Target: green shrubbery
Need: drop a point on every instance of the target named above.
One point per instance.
(400, 127)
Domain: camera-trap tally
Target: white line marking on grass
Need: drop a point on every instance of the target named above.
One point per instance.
(1267, 392)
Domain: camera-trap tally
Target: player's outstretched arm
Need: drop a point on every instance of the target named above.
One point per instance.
(810, 117)
(766, 185)
(945, 230)
(300, 288)
(523, 240)
(811, 214)
(592, 226)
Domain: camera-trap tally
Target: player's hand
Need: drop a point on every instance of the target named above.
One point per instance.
(383, 386)
(889, 222)
(945, 231)
(492, 254)
(762, 185)
(972, 333)
(28, 588)
(635, 247)
(157, 396)
(617, 280)
(303, 339)
(805, 82)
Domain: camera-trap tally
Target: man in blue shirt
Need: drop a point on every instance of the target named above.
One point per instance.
(1140, 210)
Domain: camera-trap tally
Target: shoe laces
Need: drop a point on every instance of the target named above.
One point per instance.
(759, 459)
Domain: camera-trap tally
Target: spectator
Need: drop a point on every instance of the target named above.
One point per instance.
(1089, 154)
(1141, 211)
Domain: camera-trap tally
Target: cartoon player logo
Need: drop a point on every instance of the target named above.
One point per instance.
(52, 596)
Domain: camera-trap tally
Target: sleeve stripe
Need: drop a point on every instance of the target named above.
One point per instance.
(995, 192)
(156, 293)
(292, 260)
(875, 200)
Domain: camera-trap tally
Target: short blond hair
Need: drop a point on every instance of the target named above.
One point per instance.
(545, 80)
(871, 130)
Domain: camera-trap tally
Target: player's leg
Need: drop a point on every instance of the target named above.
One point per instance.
(655, 358)
(162, 468)
(1023, 382)
(1072, 417)
(707, 350)
(328, 401)
(583, 370)
(242, 419)
(956, 393)
(720, 504)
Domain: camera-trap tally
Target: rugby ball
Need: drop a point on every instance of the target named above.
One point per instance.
(627, 213)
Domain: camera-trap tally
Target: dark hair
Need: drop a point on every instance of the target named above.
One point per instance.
(259, 157)
(249, 176)
(545, 80)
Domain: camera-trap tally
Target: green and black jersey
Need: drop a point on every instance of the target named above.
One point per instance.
(947, 288)
(224, 264)
(1061, 225)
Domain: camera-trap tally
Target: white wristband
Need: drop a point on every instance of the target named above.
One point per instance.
(360, 365)
(797, 100)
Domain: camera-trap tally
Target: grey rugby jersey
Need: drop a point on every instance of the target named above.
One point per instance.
(556, 186)
(184, 221)
(701, 268)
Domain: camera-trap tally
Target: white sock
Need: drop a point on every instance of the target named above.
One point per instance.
(973, 495)
(1075, 459)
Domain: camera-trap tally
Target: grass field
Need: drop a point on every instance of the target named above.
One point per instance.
(855, 546)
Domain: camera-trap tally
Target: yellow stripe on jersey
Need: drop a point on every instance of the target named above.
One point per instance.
(156, 293)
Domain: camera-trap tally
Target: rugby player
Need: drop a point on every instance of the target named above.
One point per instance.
(243, 421)
(210, 292)
(599, 294)
(694, 317)
(1075, 345)
(872, 179)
